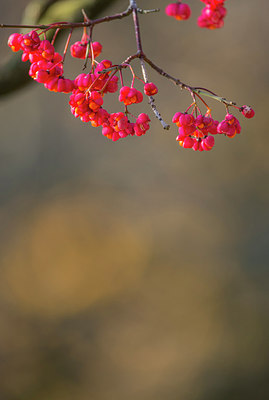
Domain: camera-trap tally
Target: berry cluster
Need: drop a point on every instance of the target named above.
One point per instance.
(196, 132)
(212, 16)
(88, 90)
(230, 126)
(79, 49)
(46, 65)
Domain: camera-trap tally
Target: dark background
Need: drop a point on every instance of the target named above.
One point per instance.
(138, 270)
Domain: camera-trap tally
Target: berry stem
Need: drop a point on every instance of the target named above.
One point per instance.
(107, 82)
(89, 46)
(199, 97)
(55, 35)
(192, 104)
(121, 79)
(67, 44)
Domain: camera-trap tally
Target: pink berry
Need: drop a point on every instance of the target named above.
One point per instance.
(176, 117)
(248, 112)
(150, 89)
(184, 12)
(188, 142)
(230, 126)
(186, 120)
(78, 49)
(130, 95)
(213, 14)
(14, 41)
(179, 11)
(141, 125)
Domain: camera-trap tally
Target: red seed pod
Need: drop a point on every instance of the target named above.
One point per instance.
(179, 11)
(14, 41)
(150, 89)
(248, 112)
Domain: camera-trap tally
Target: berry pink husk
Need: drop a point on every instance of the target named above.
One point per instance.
(212, 16)
(30, 42)
(141, 125)
(79, 49)
(230, 126)
(194, 132)
(117, 126)
(14, 41)
(150, 89)
(248, 112)
(179, 11)
(130, 96)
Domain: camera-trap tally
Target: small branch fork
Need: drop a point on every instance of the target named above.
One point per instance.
(134, 10)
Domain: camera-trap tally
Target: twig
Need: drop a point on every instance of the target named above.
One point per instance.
(147, 11)
(65, 25)
(151, 98)
(197, 90)
(141, 55)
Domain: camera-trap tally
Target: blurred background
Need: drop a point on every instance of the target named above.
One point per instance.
(138, 270)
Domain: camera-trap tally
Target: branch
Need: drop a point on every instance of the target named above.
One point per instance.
(192, 89)
(142, 57)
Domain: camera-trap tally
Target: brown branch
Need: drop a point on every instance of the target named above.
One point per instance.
(140, 54)
(191, 89)
(72, 25)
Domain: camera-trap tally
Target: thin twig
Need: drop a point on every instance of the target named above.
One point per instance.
(215, 97)
(147, 11)
(55, 35)
(89, 45)
(65, 25)
(178, 82)
(143, 67)
(151, 98)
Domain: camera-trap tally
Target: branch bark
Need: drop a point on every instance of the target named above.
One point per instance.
(14, 73)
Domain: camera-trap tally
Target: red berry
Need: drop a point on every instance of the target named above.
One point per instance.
(248, 112)
(188, 142)
(213, 14)
(230, 126)
(130, 95)
(179, 11)
(78, 49)
(150, 89)
(141, 125)
(14, 41)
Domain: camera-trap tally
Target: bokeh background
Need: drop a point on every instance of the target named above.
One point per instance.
(138, 270)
